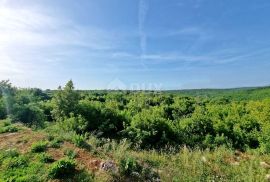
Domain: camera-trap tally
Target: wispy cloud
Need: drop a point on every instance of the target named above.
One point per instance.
(220, 57)
(31, 27)
(31, 37)
(164, 57)
(142, 14)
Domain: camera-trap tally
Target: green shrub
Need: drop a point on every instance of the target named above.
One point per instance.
(7, 126)
(104, 120)
(195, 130)
(65, 102)
(9, 129)
(133, 170)
(45, 158)
(55, 143)
(264, 139)
(10, 153)
(84, 176)
(15, 162)
(39, 147)
(3, 110)
(75, 123)
(6, 122)
(62, 169)
(50, 137)
(71, 154)
(129, 165)
(80, 141)
(29, 114)
(150, 129)
(22, 168)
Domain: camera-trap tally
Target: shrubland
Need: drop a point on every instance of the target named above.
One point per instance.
(147, 136)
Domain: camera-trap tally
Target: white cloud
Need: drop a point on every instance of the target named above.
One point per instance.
(170, 56)
(143, 9)
(32, 27)
(31, 37)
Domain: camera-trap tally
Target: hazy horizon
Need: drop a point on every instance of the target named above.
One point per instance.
(143, 44)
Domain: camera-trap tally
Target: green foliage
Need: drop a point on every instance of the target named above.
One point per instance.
(195, 129)
(197, 118)
(6, 126)
(29, 114)
(128, 166)
(39, 147)
(15, 162)
(47, 107)
(18, 167)
(3, 110)
(210, 123)
(65, 102)
(10, 129)
(134, 171)
(149, 128)
(182, 108)
(100, 118)
(26, 107)
(80, 141)
(55, 143)
(45, 158)
(84, 176)
(62, 169)
(265, 139)
(7, 93)
(71, 154)
(75, 123)
(11, 153)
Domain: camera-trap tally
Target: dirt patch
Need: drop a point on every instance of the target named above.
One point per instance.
(23, 140)
(88, 161)
(83, 157)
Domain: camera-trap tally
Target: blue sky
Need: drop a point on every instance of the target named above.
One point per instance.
(140, 44)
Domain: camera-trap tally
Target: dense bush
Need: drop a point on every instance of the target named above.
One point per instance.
(149, 128)
(9, 128)
(19, 167)
(129, 165)
(75, 123)
(71, 154)
(62, 169)
(15, 162)
(148, 119)
(103, 120)
(3, 111)
(29, 114)
(195, 130)
(55, 143)
(79, 141)
(39, 147)
(45, 158)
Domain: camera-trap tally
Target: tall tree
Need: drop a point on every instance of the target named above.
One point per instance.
(66, 101)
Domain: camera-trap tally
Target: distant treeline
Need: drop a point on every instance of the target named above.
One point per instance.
(248, 93)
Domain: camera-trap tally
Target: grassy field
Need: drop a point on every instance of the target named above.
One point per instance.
(28, 155)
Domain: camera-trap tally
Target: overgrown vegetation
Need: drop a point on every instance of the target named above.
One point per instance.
(159, 132)
(39, 147)
(63, 168)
